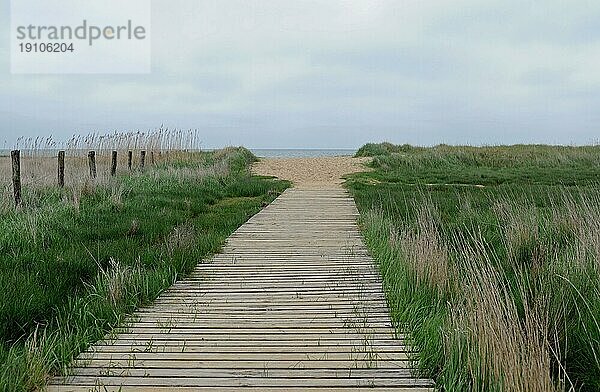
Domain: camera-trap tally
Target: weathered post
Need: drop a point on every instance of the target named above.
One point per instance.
(61, 169)
(113, 165)
(152, 158)
(129, 159)
(92, 162)
(142, 159)
(16, 175)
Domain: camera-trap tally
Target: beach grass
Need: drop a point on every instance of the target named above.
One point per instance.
(491, 260)
(75, 261)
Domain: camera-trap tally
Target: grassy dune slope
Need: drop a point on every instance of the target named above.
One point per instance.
(491, 260)
(74, 262)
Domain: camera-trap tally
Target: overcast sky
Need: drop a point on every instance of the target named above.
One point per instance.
(333, 73)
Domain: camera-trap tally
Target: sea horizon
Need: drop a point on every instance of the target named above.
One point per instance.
(260, 152)
(301, 152)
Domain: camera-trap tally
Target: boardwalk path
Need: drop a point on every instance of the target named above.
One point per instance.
(293, 303)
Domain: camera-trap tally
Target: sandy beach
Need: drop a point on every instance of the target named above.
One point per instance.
(310, 172)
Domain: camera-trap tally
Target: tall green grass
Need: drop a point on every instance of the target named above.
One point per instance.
(73, 265)
(491, 261)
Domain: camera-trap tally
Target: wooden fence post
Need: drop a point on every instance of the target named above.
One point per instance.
(16, 175)
(152, 158)
(142, 159)
(113, 165)
(61, 169)
(92, 162)
(129, 159)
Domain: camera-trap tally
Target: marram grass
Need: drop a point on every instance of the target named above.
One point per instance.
(491, 261)
(74, 262)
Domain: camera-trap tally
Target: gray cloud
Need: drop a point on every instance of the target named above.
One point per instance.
(335, 73)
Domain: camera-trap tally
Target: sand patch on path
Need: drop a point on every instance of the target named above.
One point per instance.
(321, 172)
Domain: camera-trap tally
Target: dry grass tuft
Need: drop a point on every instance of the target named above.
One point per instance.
(182, 237)
(424, 250)
(509, 330)
(115, 279)
(503, 349)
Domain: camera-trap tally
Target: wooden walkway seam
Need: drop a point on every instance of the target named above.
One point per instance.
(293, 303)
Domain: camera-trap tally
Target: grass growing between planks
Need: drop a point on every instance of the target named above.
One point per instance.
(72, 266)
(491, 260)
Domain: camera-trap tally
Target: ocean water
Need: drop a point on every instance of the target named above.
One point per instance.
(300, 152)
(259, 152)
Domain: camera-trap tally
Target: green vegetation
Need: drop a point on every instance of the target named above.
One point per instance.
(491, 260)
(384, 149)
(75, 262)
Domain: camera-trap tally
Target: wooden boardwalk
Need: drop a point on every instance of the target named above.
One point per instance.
(294, 303)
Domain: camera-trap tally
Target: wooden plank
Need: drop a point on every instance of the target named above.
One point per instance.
(94, 387)
(197, 307)
(258, 372)
(245, 309)
(265, 300)
(264, 381)
(245, 356)
(171, 340)
(216, 334)
(267, 349)
(272, 285)
(319, 363)
(241, 322)
(322, 289)
(199, 324)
